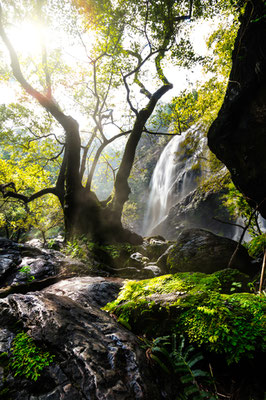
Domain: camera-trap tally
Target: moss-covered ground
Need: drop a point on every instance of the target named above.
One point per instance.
(213, 312)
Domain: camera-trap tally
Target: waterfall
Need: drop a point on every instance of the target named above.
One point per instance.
(173, 177)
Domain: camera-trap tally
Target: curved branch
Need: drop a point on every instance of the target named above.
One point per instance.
(22, 197)
(128, 95)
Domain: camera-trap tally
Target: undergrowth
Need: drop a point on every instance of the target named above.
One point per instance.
(81, 248)
(184, 364)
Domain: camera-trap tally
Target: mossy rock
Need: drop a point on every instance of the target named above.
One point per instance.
(198, 250)
(198, 307)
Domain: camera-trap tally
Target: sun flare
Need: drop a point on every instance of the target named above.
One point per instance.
(29, 37)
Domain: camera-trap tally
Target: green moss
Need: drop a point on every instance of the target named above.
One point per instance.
(196, 306)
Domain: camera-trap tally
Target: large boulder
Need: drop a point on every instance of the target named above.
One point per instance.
(199, 250)
(217, 317)
(95, 358)
(238, 135)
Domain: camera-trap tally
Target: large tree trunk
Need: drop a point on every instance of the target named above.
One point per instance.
(238, 135)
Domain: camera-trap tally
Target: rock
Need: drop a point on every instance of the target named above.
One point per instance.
(95, 358)
(35, 269)
(238, 135)
(197, 210)
(35, 243)
(199, 250)
(214, 312)
(162, 261)
(7, 244)
(21, 264)
(6, 262)
(154, 247)
(154, 269)
(96, 291)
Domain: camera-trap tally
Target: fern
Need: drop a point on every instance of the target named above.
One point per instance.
(182, 361)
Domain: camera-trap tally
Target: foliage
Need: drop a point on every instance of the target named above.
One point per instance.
(27, 359)
(82, 248)
(26, 272)
(181, 361)
(257, 245)
(237, 205)
(196, 306)
(27, 146)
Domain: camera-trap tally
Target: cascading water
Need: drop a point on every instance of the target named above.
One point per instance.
(173, 177)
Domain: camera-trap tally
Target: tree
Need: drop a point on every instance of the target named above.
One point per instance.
(129, 41)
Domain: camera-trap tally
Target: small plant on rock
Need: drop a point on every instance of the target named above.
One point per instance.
(26, 272)
(27, 359)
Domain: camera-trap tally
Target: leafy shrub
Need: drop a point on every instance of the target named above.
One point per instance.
(27, 359)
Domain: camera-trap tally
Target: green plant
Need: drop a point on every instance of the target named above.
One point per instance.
(235, 286)
(51, 243)
(257, 245)
(182, 361)
(198, 308)
(27, 359)
(26, 272)
(76, 248)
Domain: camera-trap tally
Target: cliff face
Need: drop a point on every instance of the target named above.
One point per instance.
(238, 135)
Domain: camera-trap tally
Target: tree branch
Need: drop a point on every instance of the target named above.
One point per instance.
(97, 156)
(22, 197)
(160, 133)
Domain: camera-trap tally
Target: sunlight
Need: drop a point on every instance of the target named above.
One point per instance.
(27, 38)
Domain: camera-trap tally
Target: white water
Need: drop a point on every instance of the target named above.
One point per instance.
(172, 180)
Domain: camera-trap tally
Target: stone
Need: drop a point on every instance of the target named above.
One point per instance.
(95, 357)
(154, 247)
(238, 135)
(21, 264)
(38, 268)
(155, 270)
(88, 290)
(198, 210)
(198, 250)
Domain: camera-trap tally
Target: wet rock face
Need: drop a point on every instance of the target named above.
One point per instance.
(197, 250)
(95, 358)
(88, 290)
(238, 135)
